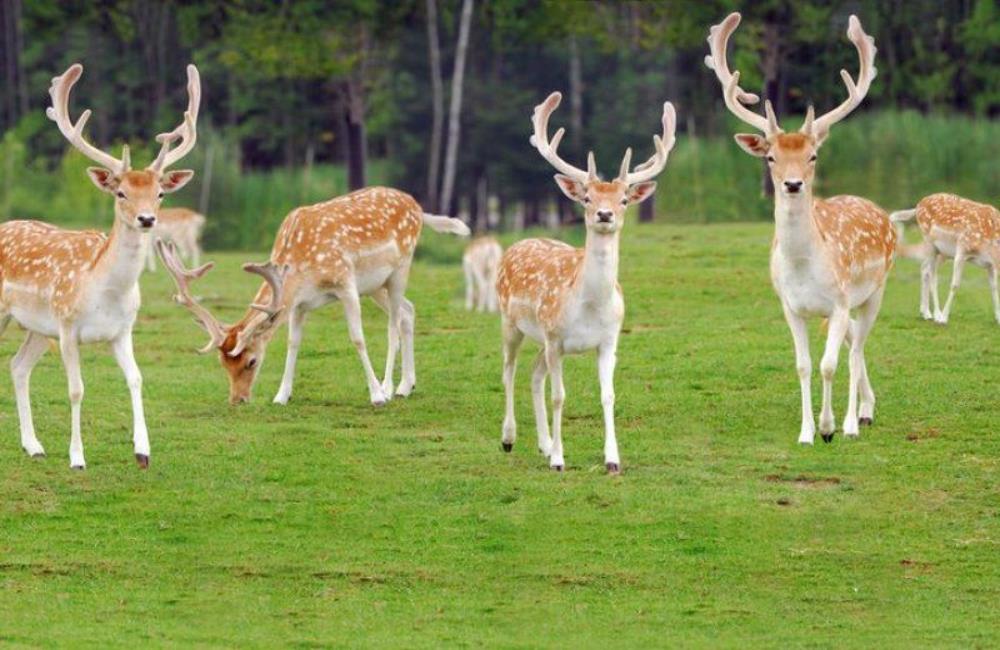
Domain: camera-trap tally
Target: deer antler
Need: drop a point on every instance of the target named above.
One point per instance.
(59, 113)
(856, 92)
(736, 97)
(275, 277)
(540, 141)
(186, 132)
(182, 278)
(662, 144)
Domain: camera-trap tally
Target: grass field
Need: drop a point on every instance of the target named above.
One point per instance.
(328, 522)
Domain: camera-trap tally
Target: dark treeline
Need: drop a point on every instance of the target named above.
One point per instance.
(298, 82)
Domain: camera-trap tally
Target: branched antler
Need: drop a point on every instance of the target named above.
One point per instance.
(186, 132)
(275, 277)
(182, 278)
(59, 113)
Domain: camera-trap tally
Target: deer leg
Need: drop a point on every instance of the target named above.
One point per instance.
(396, 285)
(553, 358)
(352, 314)
(491, 290)
(381, 298)
(927, 276)
(483, 290)
(803, 365)
(406, 320)
(607, 357)
(839, 323)
(992, 271)
(122, 350)
(296, 323)
(151, 254)
(538, 398)
(858, 381)
(32, 349)
(935, 294)
(512, 340)
(470, 284)
(70, 349)
(956, 280)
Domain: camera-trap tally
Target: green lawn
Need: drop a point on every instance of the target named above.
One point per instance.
(327, 522)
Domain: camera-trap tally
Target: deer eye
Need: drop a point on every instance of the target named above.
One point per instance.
(586, 199)
(160, 195)
(812, 158)
(120, 194)
(624, 201)
(770, 159)
(251, 363)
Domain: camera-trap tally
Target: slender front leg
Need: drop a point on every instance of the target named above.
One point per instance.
(21, 365)
(70, 349)
(927, 276)
(512, 339)
(839, 322)
(470, 285)
(407, 323)
(553, 358)
(296, 323)
(858, 380)
(993, 290)
(606, 358)
(803, 365)
(956, 280)
(125, 356)
(352, 314)
(538, 398)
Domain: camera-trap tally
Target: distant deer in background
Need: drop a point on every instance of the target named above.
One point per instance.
(82, 286)
(958, 228)
(359, 244)
(480, 263)
(568, 299)
(182, 226)
(829, 256)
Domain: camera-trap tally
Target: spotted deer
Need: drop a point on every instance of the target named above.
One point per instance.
(360, 244)
(82, 286)
(479, 263)
(829, 256)
(182, 226)
(958, 228)
(568, 299)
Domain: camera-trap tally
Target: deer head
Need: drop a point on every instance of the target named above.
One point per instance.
(791, 157)
(604, 202)
(137, 192)
(241, 346)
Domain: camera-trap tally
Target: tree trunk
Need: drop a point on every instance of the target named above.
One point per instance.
(454, 116)
(355, 139)
(437, 102)
(647, 209)
(575, 97)
(206, 178)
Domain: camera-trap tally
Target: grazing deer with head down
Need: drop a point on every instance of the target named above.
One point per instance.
(480, 262)
(82, 286)
(351, 246)
(183, 227)
(830, 256)
(568, 299)
(958, 228)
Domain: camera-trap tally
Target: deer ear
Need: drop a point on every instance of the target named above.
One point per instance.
(104, 179)
(572, 188)
(640, 192)
(175, 180)
(753, 144)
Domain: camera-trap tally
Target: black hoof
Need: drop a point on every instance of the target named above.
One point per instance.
(827, 437)
(865, 422)
(557, 468)
(78, 468)
(507, 446)
(613, 468)
(143, 461)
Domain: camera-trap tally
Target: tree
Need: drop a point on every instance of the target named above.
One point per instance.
(437, 103)
(455, 112)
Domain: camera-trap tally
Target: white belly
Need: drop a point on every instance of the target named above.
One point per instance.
(108, 317)
(589, 324)
(804, 285)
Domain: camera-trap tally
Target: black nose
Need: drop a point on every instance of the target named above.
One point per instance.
(793, 186)
(605, 216)
(146, 220)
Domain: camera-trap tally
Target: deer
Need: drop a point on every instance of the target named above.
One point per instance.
(182, 226)
(479, 263)
(954, 227)
(568, 299)
(829, 257)
(359, 244)
(82, 286)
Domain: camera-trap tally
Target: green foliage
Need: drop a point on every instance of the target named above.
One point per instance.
(327, 523)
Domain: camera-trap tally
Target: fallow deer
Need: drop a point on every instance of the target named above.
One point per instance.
(82, 286)
(568, 299)
(183, 227)
(829, 256)
(480, 262)
(958, 228)
(354, 245)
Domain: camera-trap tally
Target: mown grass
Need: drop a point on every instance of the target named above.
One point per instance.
(327, 522)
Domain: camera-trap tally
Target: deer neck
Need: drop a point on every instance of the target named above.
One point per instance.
(599, 276)
(795, 229)
(123, 257)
